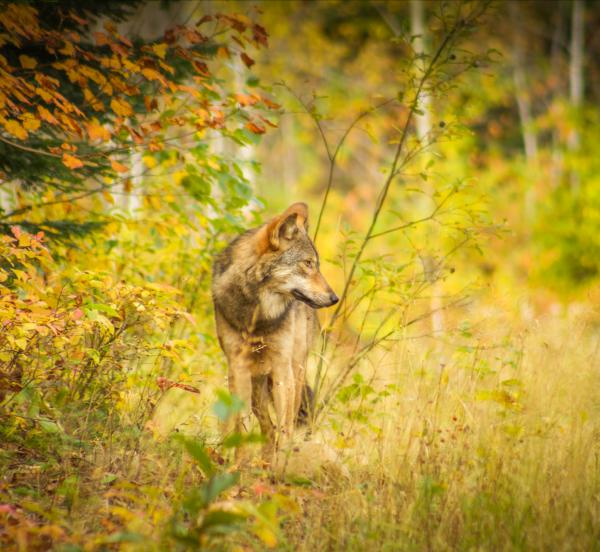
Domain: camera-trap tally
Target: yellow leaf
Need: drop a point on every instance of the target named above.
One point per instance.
(46, 96)
(150, 161)
(160, 50)
(213, 164)
(22, 276)
(68, 50)
(267, 535)
(152, 74)
(30, 122)
(121, 107)
(119, 167)
(27, 62)
(15, 128)
(108, 196)
(71, 161)
(21, 343)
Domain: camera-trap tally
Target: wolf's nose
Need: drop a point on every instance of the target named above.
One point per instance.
(333, 298)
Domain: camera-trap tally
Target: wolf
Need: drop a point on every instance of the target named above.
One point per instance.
(266, 287)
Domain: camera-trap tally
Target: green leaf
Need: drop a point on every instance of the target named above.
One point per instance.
(197, 451)
(221, 520)
(219, 483)
(125, 536)
(228, 405)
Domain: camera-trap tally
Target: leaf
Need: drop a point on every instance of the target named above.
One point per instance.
(219, 483)
(27, 62)
(245, 99)
(108, 196)
(197, 451)
(97, 132)
(77, 314)
(220, 519)
(121, 107)
(30, 122)
(270, 104)
(119, 167)
(125, 536)
(15, 128)
(160, 49)
(248, 61)
(71, 161)
(267, 535)
(254, 128)
(49, 426)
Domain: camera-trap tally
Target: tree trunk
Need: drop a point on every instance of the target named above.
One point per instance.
(522, 96)
(576, 83)
(520, 81)
(418, 31)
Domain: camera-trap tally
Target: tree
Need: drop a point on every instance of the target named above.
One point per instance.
(77, 97)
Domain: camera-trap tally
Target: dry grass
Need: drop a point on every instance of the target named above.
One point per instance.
(497, 449)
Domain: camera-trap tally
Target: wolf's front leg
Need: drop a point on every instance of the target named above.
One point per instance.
(240, 384)
(284, 399)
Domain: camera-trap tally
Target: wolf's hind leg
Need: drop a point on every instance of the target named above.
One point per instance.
(261, 398)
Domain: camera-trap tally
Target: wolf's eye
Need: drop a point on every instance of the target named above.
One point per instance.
(308, 264)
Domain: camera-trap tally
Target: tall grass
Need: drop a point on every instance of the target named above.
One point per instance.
(496, 449)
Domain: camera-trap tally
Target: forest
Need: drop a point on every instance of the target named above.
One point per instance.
(440, 155)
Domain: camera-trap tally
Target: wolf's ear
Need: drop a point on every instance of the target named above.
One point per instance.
(285, 227)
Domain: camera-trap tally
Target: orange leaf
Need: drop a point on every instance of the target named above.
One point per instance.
(119, 167)
(97, 132)
(245, 99)
(121, 107)
(71, 161)
(254, 128)
(223, 52)
(101, 39)
(270, 104)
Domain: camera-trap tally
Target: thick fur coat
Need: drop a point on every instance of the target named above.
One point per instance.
(266, 286)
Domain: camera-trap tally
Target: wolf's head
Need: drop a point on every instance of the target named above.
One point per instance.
(293, 262)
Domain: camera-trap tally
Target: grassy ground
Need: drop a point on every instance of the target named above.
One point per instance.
(489, 445)
(497, 449)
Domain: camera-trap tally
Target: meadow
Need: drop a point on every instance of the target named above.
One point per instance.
(446, 151)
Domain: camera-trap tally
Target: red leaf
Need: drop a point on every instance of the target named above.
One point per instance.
(259, 34)
(247, 59)
(77, 314)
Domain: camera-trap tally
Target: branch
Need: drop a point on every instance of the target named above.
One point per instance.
(27, 148)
